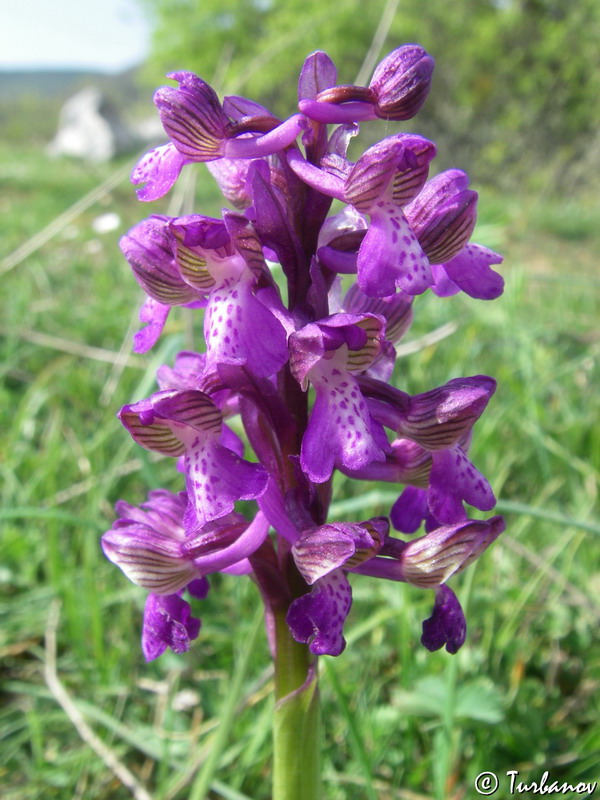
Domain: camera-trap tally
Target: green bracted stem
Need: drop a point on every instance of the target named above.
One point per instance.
(296, 725)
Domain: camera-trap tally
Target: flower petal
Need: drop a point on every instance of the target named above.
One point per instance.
(447, 624)
(155, 314)
(216, 478)
(168, 622)
(390, 255)
(453, 479)
(470, 271)
(317, 619)
(158, 169)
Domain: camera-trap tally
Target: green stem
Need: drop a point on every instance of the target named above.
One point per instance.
(296, 725)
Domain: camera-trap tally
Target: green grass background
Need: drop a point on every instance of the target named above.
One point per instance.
(398, 722)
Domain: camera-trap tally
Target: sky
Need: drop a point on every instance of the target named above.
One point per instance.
(107, 35)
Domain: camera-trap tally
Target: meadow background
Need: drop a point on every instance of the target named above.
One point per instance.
(515, 103)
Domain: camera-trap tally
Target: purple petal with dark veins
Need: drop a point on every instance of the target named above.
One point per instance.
(193, 117)
(323, 549)
(401, 82)
(318, 73)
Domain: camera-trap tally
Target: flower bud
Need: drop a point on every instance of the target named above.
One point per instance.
(401, 82)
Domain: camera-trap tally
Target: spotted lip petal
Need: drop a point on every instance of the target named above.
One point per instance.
(215, 479)
(158, 170)
(317, 619)
(453, 479)
(233, 317)
(447, 624)
(340, 431)
(390, 256)
(470, 271)
(168, 622)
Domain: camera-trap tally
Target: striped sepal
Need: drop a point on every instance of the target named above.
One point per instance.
(156, 567)
(360, 360)
(193, 117)
(157, 436)
(434, 435)
(407, 183)
(438, 419)
(192, 408)
(165, 287)
(431, 560)
(451, 231)
(377, 533)
(396, 310)
(246, 242)
(321, 550)
(193, 267)
(416, 464)
(371, 174)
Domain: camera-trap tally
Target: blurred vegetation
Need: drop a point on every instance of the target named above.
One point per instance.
(515, 93)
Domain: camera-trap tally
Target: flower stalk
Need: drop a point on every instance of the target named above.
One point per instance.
(296, 720)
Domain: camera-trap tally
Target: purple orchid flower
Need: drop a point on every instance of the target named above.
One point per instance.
(147, 248)
(381, 183)
(151, 546)
(341, 430)
(201, 131)
(189, 423)
(301, 311)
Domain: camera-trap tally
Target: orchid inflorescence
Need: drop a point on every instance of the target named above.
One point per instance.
(305, 362)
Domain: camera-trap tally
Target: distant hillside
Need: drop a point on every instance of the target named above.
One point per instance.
(59, 84)
(30, 100)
